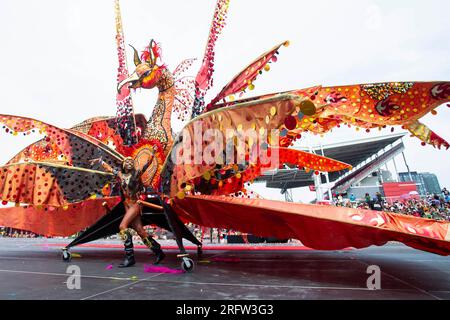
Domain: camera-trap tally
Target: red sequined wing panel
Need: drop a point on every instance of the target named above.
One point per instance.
(246, 137)
(39, 183)
(244, 79)
(378, 105)
(230, 179)
(366, 106)
(61, 146)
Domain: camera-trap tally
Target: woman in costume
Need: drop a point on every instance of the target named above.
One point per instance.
(131, 187)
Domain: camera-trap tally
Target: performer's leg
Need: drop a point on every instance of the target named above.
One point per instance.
(126, 236)
(148, 240)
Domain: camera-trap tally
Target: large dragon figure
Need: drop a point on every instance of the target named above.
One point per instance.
(58, 191)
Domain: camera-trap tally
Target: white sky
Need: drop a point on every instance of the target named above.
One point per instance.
(58, 58)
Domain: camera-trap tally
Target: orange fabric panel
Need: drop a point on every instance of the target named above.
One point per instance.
(55, 221)
(318, 227)
(30, 183)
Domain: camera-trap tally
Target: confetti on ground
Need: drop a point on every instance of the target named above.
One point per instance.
(134, 278)
(226, 259)
(204, 261)
(155, 269)
(76, 255)
(109, 267)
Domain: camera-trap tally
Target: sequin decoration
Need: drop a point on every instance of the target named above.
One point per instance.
(204, 80)
(381, 91)
(125, 122)
(185, 89)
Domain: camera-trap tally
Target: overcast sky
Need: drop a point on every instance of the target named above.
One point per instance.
(58, 58)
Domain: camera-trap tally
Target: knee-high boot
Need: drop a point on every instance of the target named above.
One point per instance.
(155, 247)
(127, 239)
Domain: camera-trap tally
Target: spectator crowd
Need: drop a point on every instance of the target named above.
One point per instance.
(432, 206)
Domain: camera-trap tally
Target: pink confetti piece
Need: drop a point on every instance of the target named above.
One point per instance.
(156, 269)
(109, 267)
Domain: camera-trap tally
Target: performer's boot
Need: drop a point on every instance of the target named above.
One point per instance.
(155, 247)
(127, 239)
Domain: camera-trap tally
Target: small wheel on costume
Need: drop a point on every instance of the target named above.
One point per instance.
(66, 255)
(187, 264)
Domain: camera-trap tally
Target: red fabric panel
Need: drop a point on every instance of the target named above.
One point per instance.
(55, 222)
(318, 227)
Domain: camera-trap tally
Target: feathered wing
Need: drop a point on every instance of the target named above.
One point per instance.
(246, 147)
(317, 227)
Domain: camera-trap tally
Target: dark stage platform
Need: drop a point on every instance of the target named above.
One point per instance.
(33, 269)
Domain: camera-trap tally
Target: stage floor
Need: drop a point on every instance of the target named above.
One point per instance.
(33, 269)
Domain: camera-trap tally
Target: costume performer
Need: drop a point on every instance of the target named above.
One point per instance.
(131, 188)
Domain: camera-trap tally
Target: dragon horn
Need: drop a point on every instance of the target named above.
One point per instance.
(137, 60)
(150, 51)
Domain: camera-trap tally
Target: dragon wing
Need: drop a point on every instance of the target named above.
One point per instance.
(55, 176)
(67, 147)
(366, 106)
(50, 184)
(245, 78)
(258, 151)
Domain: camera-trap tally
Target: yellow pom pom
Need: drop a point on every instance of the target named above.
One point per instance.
(232, 98)
(238, 176)
(266, 67)
(251, 86)
(181, 195)
(207, 176)
(287, 43)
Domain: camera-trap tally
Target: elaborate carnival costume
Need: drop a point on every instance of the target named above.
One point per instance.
(131, 188)
(55, 174)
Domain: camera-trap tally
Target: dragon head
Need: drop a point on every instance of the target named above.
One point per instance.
(147, 72)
